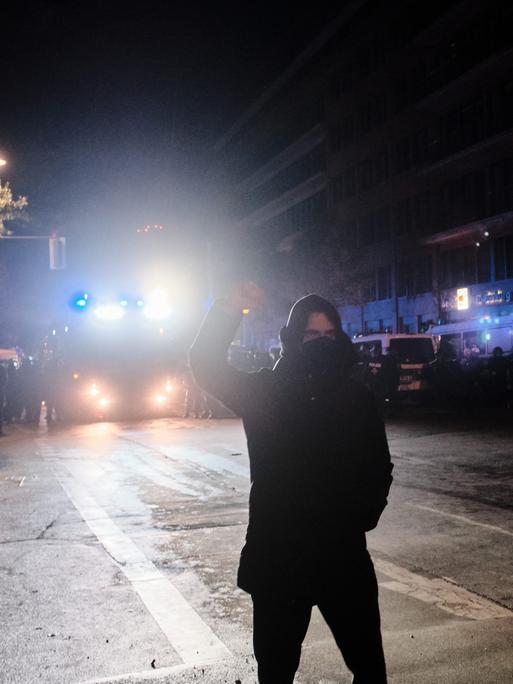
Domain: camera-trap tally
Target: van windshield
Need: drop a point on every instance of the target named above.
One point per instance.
(414, 350)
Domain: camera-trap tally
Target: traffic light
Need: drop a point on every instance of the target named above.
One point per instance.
(57, 253)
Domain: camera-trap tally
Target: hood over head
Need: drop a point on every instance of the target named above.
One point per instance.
(291, 335)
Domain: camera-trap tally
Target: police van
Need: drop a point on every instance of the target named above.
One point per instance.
(486, 333)
(413, 352)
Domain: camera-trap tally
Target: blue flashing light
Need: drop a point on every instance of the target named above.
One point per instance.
(140, 303)
(488, 337)
(123, 303)
(80, 301)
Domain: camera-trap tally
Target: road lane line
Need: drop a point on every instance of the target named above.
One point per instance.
(153, 466)
(22, 481)
(463, 518)
(188, 634)
(441, 593)
(150, 468)
(145, 675)
(206, 459)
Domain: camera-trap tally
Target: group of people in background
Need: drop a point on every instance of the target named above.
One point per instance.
(471, 380)
(26, 386)
(467, 381)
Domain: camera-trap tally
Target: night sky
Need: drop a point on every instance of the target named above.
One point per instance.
(108, 107)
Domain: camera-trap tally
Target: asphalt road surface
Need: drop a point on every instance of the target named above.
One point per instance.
(119, 546)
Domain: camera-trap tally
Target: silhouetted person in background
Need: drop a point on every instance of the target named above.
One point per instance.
(471, 365)
(498, 377)
(31, 390)
(390, 373)
(374, 376)
(196, 405)
(320, 474)
(13, 406)
(448, 377)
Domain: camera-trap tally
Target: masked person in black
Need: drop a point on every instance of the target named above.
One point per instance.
(320, 474)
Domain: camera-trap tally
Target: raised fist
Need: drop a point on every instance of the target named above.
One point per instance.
(244, 296)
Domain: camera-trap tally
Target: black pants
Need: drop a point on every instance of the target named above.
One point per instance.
(350, 608)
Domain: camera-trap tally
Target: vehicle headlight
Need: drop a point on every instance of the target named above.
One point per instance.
(93, 390)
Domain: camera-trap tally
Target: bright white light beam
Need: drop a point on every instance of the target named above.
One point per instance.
(157, 305)
(109, 312)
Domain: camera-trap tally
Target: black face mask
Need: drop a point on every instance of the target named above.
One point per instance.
(323, 354)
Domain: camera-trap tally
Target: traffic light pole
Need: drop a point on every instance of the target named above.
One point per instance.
(56, 247)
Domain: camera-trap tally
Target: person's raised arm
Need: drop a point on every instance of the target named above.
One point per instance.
(207, 356)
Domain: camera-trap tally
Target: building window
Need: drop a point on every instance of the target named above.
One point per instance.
(366, 230)
(381, 166)
(365, 175)
(311, 213)
(501, 187)
(336, 138)
(347, 130)
(423, 274)
(310, 164)
(472, 122)
(369, 288)
(464, 126)
(350, 234)
(382, 224)
(503, 254)
(350, 182)
(380, 109)
(384, 282)
(433, 143)
(425, 211)
(401, 94)
(404, 278)
(402, 155)
(419, 147)
(483, 263)
(402, 217)
(364, 118)
(500, 107)
(337, 189)
(458, 267)
(342, 81)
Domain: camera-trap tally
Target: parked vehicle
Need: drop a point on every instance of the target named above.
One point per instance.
(486, 333)
(413, 353)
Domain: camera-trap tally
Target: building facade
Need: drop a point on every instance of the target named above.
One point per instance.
(389, 140)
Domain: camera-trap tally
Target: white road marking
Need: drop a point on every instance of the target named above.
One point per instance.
(146, 675)
(152, 470)
(206, 459)
(462, 518)
(441, 593)
(188, 634)
(148, 468)
(22, 481)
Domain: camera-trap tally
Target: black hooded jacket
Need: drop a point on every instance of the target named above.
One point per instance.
(319, 460)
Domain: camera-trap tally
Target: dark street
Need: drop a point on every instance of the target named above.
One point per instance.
(120, 544)
(301, 216)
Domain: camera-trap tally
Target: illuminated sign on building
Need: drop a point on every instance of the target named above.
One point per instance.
(462, 298)
(494, 297)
